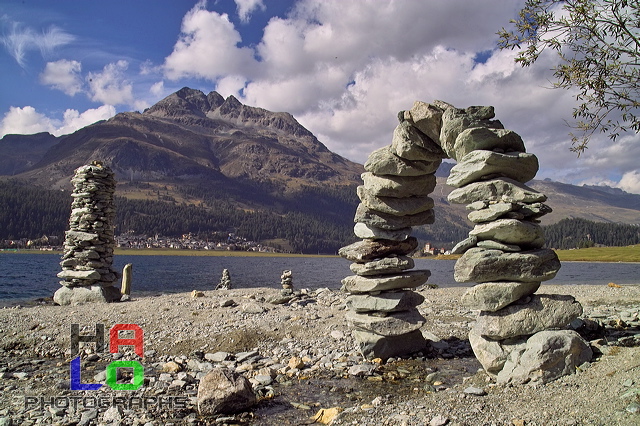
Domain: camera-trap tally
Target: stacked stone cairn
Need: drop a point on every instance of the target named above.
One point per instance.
(225, 281)
(519, 336)
(286, 280)
(87, 273)
(382, 308)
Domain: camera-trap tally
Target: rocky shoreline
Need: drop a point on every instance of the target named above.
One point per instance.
(301, 360)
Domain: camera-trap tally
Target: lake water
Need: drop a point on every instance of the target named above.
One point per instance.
(30, 276)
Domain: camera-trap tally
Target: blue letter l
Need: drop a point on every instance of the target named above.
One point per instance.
(75, 378)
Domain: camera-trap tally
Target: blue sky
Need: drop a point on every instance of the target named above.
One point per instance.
(342, 68)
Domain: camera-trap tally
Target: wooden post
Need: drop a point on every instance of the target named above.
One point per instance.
(126, 279)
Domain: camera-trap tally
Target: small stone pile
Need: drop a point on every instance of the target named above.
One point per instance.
(225, 281)
(394, 197)
(286, 280)
(518, 335)
(87, 273)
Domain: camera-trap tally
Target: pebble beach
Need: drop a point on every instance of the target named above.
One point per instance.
(303, 364)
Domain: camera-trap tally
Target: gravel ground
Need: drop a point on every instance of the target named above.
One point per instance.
(301, 359)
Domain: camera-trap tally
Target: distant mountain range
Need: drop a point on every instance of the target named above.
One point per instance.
(204, 150)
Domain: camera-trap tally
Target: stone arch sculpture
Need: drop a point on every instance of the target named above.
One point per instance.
(519, 335)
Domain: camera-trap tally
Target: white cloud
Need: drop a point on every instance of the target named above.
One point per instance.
(19, 40)
(28, 121)
(207, 48)
(74, 120)
(63, 75)
(25, 121)
(247, 7)
(157, 89)
(630, 182)
(110, 86)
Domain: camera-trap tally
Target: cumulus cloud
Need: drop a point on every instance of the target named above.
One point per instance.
(247, 7)
(63, 75)
(19, 40)
(110, 86)
(25, 121)
(630, 182)
(208, 48)
(28, 121)
(157, 89)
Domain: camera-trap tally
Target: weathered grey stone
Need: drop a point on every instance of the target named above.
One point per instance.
(85, 294)
(394, 206)
(464, 245)
(534, 211)
(477, 205)
(496, 245)
(542, 312)
(483, 265)
(391, 324)
(491, 212)
(69, 274)
(548, 355)
(78, 236)
(224, 392)
(389, 221)
(387, 301)
(483, 138)
(384, 162)
(411, 144)
(455, 121)
(480, 165)
(511, 231)
(493, 296)
(366, 250)
(373, 345)
(399, 186)
(357, 284)
(428, 118)
(362, 230)
(502, 189)
(493, 354)
(388, 265)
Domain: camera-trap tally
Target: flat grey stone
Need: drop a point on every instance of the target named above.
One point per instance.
(483, 138)
(476, 165)
(394, 206)
(542, 312)
(493, 296)
(511, 231)
(491, 212)
(485, 265)
(501, 189)
(428, 119)
(399, 186)
(496, 245)
(387, 301)
(389, 221)
(362, 230)
(357, 284)
(464, 245)
(456, 121)
(384, 162)
(367, 250)
(373, 345)
(392, 324)
(388, 265)
(86, 294)
(411, 144)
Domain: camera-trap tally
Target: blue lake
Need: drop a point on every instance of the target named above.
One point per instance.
(30, 276)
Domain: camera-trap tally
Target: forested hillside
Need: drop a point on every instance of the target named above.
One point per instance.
(581, 233)
(30, 212)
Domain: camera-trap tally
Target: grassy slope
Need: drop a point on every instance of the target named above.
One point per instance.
(602, 254)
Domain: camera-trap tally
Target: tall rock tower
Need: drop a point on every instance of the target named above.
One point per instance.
(87, 273)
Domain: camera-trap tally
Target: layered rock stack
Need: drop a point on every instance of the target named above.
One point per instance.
(395, 196)
(519, 336)
(286, 281)
(225, 281)
(87, 273)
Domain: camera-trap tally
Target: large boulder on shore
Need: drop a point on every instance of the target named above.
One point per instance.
(224, 392)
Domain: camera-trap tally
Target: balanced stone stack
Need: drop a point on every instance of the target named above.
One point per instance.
(519, 336)
(382, 308)
(87, 273)
(225, 281)
(286, 280)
